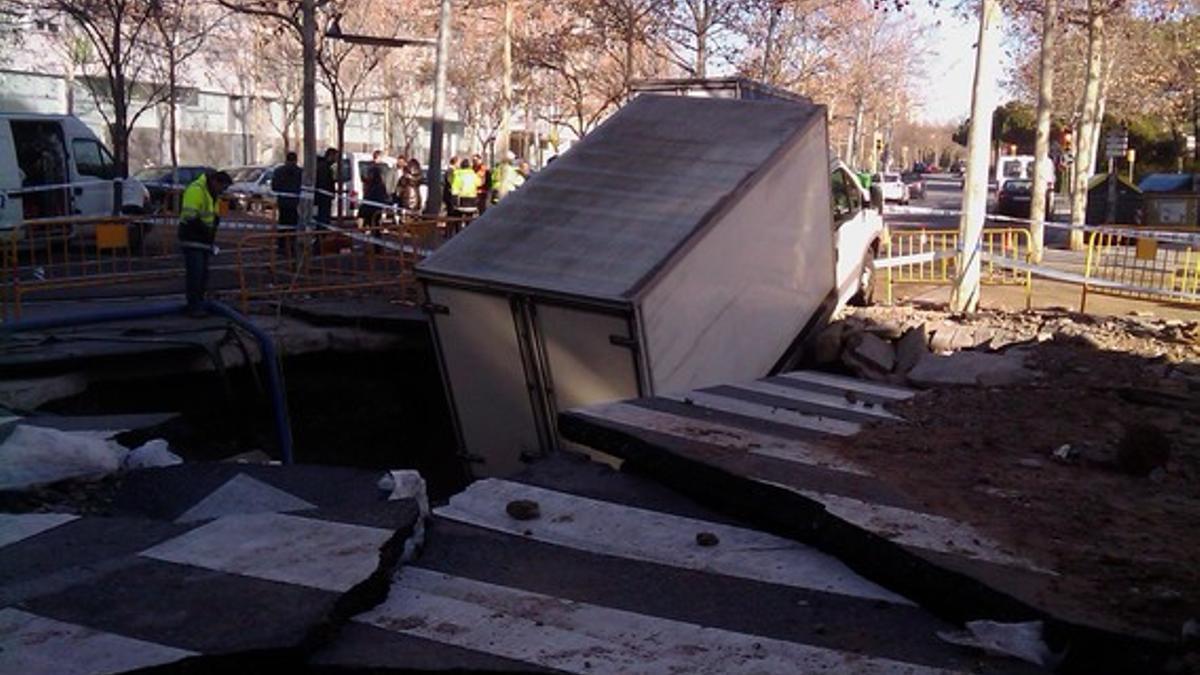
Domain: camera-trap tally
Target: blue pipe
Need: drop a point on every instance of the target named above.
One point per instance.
(283, 430)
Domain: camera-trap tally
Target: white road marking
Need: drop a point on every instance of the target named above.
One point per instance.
(849, 383)
(291, 549)
(17, 526)
(712, 433)
(791, 418)
(830, 401)
(242, 495)
(919, 530)
(612, 529)
(584, 638)
(34, 645)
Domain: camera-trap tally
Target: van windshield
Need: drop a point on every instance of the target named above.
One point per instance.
(1013, 168)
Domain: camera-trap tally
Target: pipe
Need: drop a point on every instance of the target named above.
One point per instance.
(283, 430)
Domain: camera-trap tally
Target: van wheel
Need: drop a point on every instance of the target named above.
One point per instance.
(866, 281)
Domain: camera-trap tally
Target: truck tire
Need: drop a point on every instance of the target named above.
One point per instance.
(866, 281)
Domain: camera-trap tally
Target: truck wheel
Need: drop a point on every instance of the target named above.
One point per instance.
(866, 282)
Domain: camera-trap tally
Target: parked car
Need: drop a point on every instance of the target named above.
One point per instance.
(1015, 197)
(251, 188)
(894, 189)
(915, 183)
(163, 182)
(61, 151)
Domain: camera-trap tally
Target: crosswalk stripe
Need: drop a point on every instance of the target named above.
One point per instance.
(834, 403)
(35, 645)
(580, 637)
(308, 552)
(758, 411)
(612, 529)
(849, 383)
(721, 435)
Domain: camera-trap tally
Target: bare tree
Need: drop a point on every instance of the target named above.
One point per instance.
(695, 25)
(118, 33)
(181, 28)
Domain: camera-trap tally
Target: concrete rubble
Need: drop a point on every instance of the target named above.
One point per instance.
(927, 347)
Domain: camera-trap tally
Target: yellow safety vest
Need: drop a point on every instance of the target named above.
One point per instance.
(198, 203)
(464, 183)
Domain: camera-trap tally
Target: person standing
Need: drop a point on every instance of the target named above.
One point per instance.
(505, 177)
(285, 183)
(198, 222)
(323, 199)
(447, 198)
(464, 192)
(375, 195)
(409, 189)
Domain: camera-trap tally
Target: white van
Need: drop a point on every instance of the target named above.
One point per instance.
(355, 166)
(858, 235)
(53, 166)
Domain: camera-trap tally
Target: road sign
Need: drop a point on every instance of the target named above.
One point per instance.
(1117, 143)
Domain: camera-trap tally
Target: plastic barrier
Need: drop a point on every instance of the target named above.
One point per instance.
(1156, 265)
(930, 257)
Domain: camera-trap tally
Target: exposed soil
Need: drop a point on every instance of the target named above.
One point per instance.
(1117, 512)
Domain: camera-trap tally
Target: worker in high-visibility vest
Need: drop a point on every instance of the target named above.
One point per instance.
(464, 190)
(198, 222)
(505, 177)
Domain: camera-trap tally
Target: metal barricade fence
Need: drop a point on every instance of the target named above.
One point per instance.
(339, 261)
(930, 257)
(1159, 265)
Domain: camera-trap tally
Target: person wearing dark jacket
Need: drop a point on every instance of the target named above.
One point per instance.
(323, 199)
(374, 191)
(287, 180)
(408, 192)
(198, 222)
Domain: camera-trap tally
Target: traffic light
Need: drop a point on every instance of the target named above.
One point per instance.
(878, 145)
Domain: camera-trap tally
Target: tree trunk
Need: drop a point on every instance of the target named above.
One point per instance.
(1041, 152)
(506, 83)
(703, 24)
(769, 46)
(852, 141)
(309, 39)
(965, 297)
(1086, 156)
(629, 56)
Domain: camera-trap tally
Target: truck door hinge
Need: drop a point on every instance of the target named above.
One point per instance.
(623, 341)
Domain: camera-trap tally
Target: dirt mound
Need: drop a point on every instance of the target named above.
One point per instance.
(1090, 466)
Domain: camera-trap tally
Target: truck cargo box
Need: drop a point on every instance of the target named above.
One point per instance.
(683, 243)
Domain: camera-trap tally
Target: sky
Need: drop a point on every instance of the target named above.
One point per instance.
(951, 66)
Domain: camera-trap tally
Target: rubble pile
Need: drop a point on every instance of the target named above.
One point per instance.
(1070, 438)
(923, 346)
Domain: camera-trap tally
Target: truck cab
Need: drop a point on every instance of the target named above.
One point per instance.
(54, 166)
(858, 232)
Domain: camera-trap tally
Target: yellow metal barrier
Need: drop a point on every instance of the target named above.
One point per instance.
(1143, 267)
(929, 257)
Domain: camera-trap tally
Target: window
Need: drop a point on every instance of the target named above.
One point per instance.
(92, 159)
(1013, 168)
(847, 200)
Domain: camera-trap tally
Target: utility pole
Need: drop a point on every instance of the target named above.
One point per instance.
(308, 35)
(1041, 152)
(965, 297)
(437, 128)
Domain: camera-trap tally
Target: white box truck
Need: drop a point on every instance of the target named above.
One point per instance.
(684, 243)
